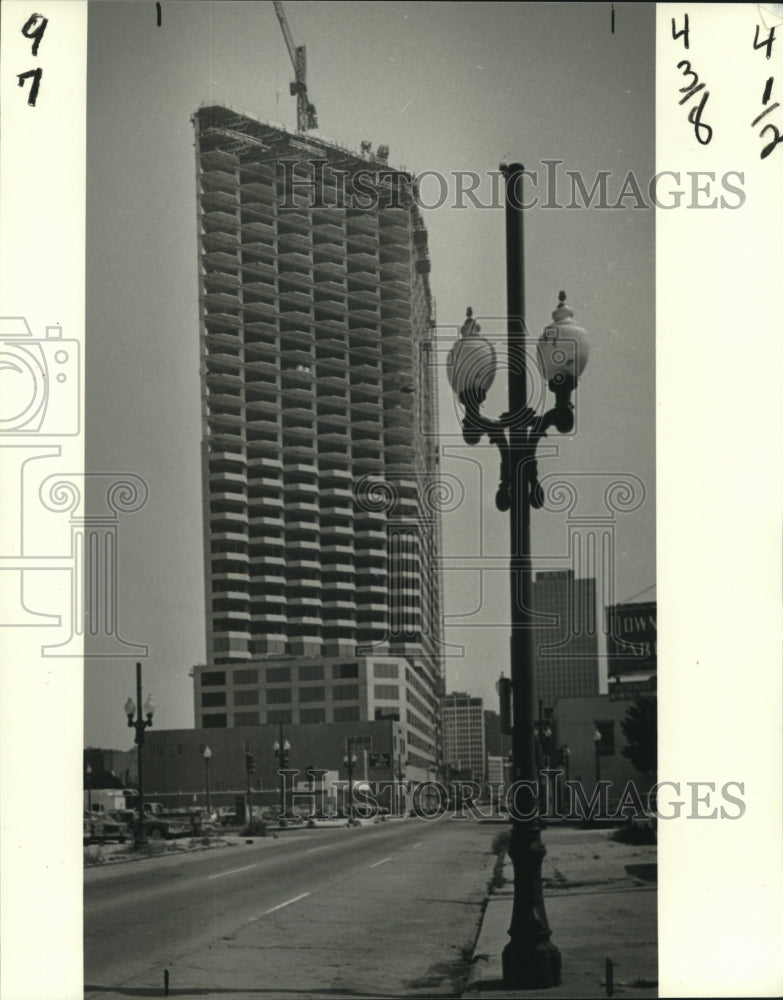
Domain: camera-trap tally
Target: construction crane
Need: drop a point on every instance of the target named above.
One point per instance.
(305, 111)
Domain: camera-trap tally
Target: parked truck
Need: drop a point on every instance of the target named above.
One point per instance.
(107, 800)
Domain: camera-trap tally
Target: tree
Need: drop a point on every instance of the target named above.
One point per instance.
(640, 728)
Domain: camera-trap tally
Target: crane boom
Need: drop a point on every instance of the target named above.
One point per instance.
(305, 111)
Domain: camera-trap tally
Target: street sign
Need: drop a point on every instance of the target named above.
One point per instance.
(380, 761)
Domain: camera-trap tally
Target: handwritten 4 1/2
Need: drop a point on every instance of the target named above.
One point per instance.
(702, 130)
(33, 28)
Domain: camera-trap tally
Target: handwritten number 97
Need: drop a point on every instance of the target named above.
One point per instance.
(33, 28)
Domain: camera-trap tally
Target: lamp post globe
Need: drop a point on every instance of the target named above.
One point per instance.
(471, 365)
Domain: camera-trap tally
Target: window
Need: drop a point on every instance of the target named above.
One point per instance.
(278, 675)
(213, 678)
(245, 718)
(277, 696)
(386, 670)
(347, 692)
(312, 715)
(248, 696)
(246, 677)
(278, 715)
(387, 692)
(346, 713)
(311, 672)
(213, 699)
(214, 721)
(312, 694)
(344, 671)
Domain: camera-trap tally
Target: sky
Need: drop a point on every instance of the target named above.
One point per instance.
(449, 88)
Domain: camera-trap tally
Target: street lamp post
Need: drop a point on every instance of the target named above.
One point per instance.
(133, 711)
(597, 741)
(530, 959)
(207, 758)
(281, 747)
(350, 760)
(88, 772)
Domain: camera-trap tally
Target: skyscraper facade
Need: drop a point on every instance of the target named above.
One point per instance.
(565, 636)
(319, 435)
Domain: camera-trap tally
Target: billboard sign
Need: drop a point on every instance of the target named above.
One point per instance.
(632, 638)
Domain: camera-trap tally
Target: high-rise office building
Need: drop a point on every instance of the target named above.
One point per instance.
(464, 746)
(319, 435)
(565, 636)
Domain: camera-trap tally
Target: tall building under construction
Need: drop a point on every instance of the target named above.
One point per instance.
(321, 535)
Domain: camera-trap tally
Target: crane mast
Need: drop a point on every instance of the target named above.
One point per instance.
(305, 111)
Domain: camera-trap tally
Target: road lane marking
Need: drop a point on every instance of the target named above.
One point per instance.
(288, 902)
(381, 862)
(233, 871)
(322, 848)
(419, 843)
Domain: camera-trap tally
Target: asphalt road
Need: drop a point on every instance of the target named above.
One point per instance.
(390, 910)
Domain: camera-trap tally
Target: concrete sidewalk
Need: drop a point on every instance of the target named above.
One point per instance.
(601, 903)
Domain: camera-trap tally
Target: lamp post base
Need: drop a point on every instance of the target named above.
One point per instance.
(530, 960)
(535, 968)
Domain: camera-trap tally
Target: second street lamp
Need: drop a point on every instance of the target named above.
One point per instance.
(207, 758)
(135, 721)
(281, 748)
(597, 737)
(530, 959)
(350, 762)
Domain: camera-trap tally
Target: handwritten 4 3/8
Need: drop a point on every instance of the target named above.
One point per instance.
(702, 130)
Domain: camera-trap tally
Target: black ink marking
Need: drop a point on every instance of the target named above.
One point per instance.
(38, 31)
(36, 74)
(612, 18)
(683, 33)
(765, 113)
(768, 90)
(160, 17)
(702, 129)
(770, 145)
(767, 43)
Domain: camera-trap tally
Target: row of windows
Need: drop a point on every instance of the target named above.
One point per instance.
(341, 713)
(282, 675)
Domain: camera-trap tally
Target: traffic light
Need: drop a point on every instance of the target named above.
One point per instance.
(250, 763)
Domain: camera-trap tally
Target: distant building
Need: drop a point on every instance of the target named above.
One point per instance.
(175, 770)
(464, 746)
(565, 636)
(320, 463)
(111, 767)
(576, 722)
